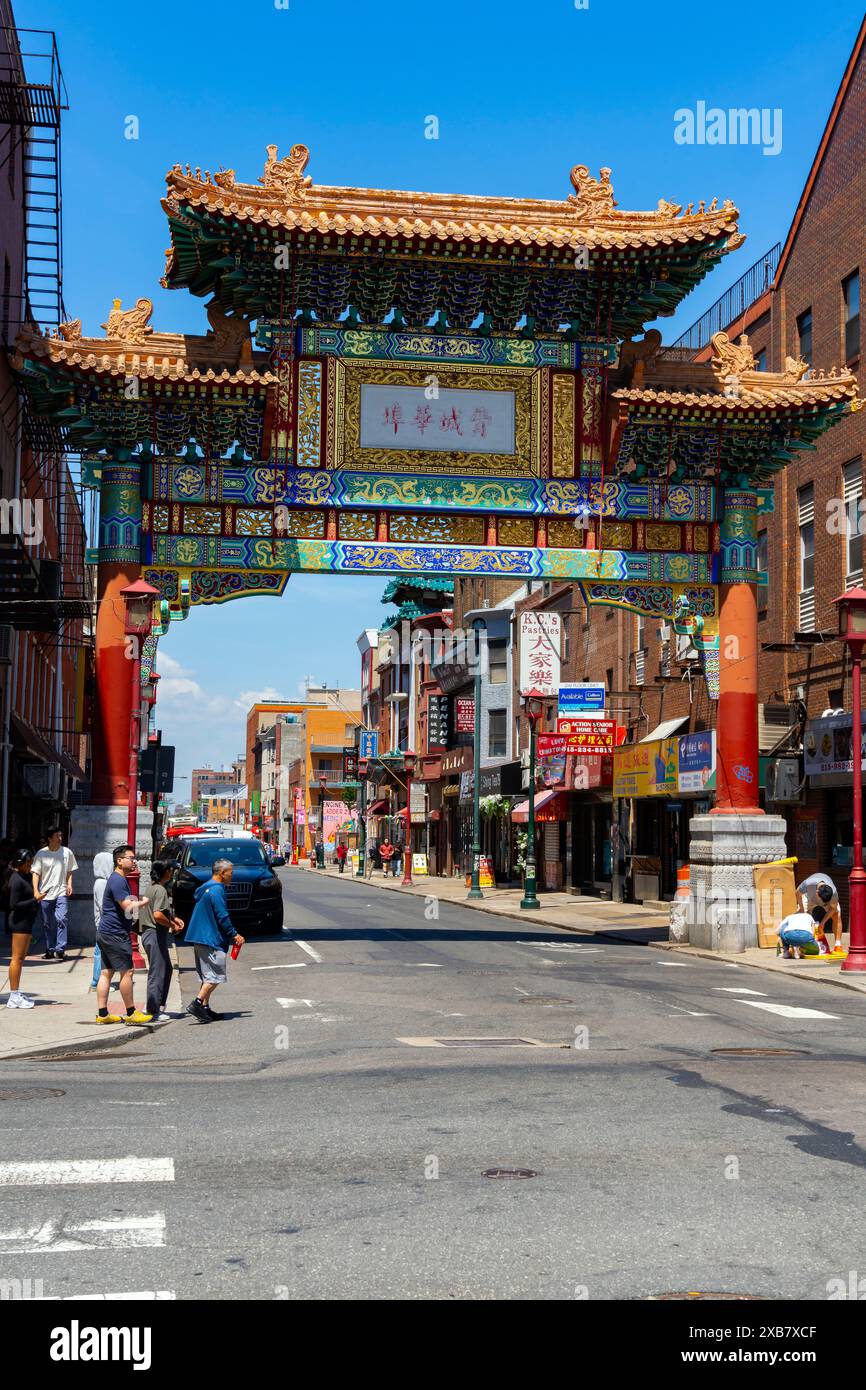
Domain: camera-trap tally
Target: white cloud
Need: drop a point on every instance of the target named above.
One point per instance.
(167, 666)
(247, 698)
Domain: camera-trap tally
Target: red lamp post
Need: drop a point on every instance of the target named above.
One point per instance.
(408, 768)
(852, 631)
(139, 599)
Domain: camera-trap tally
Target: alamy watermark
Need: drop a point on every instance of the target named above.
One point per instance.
(22, 517)
(738, 125)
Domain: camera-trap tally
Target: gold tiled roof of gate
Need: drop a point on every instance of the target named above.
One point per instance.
(730, 380)
(222, 357)
(286, 197)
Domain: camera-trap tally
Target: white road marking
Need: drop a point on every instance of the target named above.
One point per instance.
(56, 1237)
(559, 945)
(295, 1003)
(296, 965)
(148, 1295)
(689, 1013)
(60, 1172)
(737, 989)
(447, 1015)
(305, 946)
(422, 965)
(520, 991)
(784, 1010)
(138, 1102)
(674, 964)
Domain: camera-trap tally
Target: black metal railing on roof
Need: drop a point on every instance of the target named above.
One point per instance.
(734, 302)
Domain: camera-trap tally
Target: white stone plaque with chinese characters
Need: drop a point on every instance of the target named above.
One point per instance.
(456, 421)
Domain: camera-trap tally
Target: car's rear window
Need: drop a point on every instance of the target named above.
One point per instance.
(247, 852)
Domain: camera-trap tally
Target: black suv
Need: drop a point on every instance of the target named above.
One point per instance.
(255, 894)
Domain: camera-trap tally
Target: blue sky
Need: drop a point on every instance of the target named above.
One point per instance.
(522, 92)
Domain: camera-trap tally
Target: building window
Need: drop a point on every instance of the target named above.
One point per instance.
(497, 661)
(804, 335)
(640, 653)
(852, 486)
(806, 522)
(762, 569)
(496, 733)
(851, 301)
(761, 361)
(608, 676)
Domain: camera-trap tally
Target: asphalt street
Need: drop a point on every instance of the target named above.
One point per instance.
(318, 1142)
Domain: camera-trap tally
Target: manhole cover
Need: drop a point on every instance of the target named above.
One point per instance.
(696, 1294)
(761, 1052)
(543, 999)
(30, 1093)
(509, 1173)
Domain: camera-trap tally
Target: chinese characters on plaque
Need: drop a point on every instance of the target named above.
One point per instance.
(455, 420)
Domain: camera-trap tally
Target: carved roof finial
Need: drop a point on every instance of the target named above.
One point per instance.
(287, 174)
(591, 197)
(130, 325)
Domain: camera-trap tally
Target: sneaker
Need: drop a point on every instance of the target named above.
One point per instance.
(162, 1017)
(109, 1018)
(17, 1000)
(211, 1013)
(49, 955)
(198, 1011)
(59, 955)
(137, 1017)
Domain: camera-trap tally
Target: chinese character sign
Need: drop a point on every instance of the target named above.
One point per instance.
(464, 716)
(540, 639)
(457, 420)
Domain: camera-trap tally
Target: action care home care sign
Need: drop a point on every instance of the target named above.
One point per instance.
(540, 645)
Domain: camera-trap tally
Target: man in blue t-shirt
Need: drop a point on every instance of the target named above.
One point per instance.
(113, 936)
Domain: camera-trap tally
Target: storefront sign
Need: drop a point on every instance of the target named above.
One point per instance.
(418, 802)
(369, 744)
(828, 746)
(552, 769)
(581, 736)
(419, 864)
(300, 810)
(696, 758)
(457, 760)
(437, 721)
(464, 716)
(350, 764)
(540, 645)
(582, 698)
(646, 769)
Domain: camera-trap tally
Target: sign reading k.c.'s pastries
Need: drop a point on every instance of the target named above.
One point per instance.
(540, 645)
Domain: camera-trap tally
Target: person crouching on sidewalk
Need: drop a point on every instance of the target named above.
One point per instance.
(211, 932)
(156, 922)
(800, 929)
(120, 908)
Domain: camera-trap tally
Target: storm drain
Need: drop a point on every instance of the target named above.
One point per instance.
(760, 1052)
(509, 1173)
(478, 1042)
(30, 1093)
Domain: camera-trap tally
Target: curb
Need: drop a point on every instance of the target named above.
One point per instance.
(728, 959)
(62, 1049)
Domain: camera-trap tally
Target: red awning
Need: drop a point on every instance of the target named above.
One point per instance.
(549, 805)
(378, 808)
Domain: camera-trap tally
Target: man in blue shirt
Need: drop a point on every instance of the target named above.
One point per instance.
(210, 932)
(113, 937)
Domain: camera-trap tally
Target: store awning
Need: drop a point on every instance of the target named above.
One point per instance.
(378, 808)
(665, 729)
(552, 803)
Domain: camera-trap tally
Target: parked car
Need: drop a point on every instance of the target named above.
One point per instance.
(255, 894)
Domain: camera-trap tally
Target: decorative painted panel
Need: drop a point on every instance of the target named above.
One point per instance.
(457, 530)
(254, 521)
(357, 526)
(308, 430)
(651, 600)
(516, 530)
(393, 346)
(202, 521)
(564, 432)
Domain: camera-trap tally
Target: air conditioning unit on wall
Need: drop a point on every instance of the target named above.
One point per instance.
(42, 780)
(785, 781)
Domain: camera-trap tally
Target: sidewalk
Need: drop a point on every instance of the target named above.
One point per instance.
(613, 921)
(62, 1020)
(618, 921)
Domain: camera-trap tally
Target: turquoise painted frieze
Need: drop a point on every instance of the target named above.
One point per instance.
(426, 346)
(651, 600)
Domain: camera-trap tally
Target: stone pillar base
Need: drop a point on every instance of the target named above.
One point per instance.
(96, 829)
(724, 848)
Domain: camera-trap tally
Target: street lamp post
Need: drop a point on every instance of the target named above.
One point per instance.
(408, 768)
(852, 631)
(475, 890)
(362, 816)
(139, 599)
(532, 707)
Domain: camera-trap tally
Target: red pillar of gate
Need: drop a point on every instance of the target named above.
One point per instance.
(113, 710)
(737, 768)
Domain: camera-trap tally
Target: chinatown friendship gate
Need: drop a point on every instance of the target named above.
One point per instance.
(404, 383)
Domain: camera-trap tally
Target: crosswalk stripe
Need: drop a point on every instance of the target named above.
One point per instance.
(58, 1237)
(785, 1010)
(58, 1172)
(140, 1295)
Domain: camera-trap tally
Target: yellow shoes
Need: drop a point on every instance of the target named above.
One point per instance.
(109, 1018)
(138, 1017)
